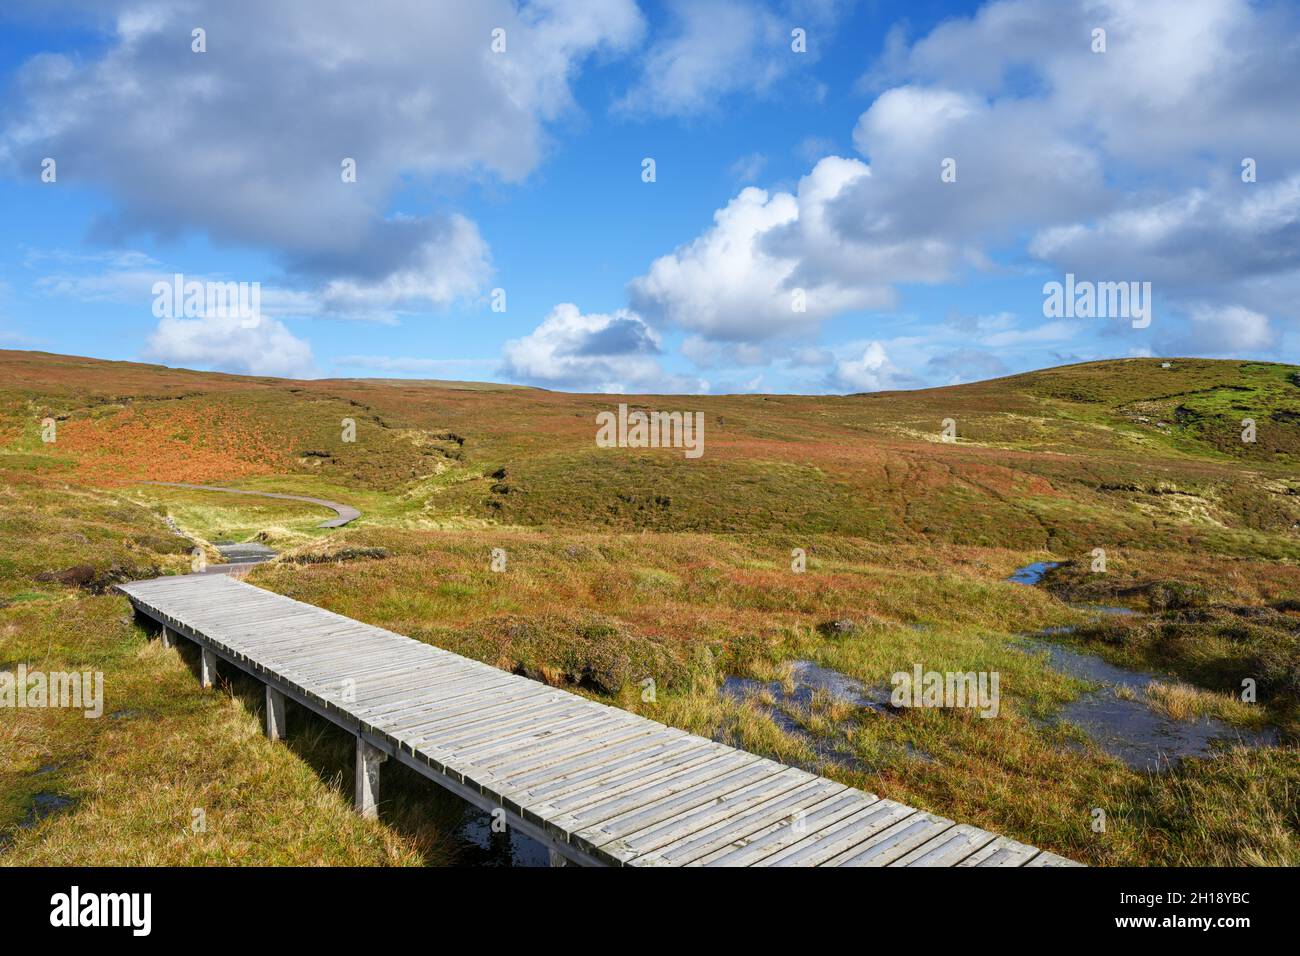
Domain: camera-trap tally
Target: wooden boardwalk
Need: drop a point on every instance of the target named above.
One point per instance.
(595, 784)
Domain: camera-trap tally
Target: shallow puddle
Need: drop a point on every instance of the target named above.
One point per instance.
(807, 680)
(1031, 574)
(1130, 729)
(482, 847)
(43, 805)
(792, 707)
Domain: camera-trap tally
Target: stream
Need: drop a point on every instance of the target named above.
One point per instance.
(1116, 715)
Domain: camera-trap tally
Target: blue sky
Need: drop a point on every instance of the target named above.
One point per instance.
(779, 175)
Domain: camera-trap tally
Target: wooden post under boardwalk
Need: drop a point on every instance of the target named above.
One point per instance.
(207, 668)
(368, 760)
(274, 713)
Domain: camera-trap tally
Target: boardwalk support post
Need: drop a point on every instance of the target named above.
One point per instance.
(274, 714)
(168, 639)
(368, 760)
(207, 668)
(557, 858)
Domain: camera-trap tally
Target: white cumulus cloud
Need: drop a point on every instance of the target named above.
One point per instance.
(1230, 331)
(767, 268)
(225, 343)
(599, 352)
(869, 372)
(717, 48)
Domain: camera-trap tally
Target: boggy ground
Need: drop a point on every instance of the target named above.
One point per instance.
(626, 566)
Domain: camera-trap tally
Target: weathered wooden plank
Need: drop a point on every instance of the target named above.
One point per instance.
(790, 808)
(424, 706)
(605, 820)
(719, 810)
(691, 799)
(829, 841)
(1001, 852)
(949, 848)
(603, 753)
(1051, 859)
(467, 707)
(553, 731)
(893, 842)
(820, 814)
(639, 777)
(414, 689)
(629, 748)
(475, 733)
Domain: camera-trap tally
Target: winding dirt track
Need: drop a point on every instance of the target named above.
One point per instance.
(345, 513)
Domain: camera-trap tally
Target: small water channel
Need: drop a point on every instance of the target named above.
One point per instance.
(1125, 726)
(806, 681)
(1031, 574)
(1116, 715)
(790, 708)
(43, 805)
